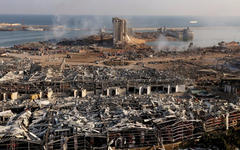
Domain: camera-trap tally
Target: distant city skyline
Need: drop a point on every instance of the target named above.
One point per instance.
(123, 7)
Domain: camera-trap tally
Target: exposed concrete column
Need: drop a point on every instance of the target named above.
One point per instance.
(64, 146)
(108, 92)
(204, 127)
(75, 92)
(3, 104)
(113, 91)
(83, 93)
(4, 96)
(140, 90)
(14, 96)
(117, 91)
(177, 88)
(40, 94)
(148, 90)
(49, 94)
(75, 142)
(227, 121)
(169, 88)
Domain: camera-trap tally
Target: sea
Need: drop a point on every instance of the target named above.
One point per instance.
(208, 31)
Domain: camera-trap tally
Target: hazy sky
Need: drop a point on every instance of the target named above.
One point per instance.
(123, 7)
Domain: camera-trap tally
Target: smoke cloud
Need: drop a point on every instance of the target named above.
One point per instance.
(163, 44)
(59, 26)
(65, 26)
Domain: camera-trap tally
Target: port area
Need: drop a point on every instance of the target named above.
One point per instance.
(114, 91)
(136, 55)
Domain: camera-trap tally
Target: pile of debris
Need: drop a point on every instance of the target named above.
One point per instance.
(116, 117)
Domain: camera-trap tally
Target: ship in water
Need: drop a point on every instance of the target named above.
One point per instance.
(33, 29)
(193, 22)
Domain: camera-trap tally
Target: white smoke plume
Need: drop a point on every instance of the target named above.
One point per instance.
(163, 44)
(59, 26)
(65, 26)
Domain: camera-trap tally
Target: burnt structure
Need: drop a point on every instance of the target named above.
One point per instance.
(231, 85)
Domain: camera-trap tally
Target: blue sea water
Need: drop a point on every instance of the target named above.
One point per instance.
(208, 31)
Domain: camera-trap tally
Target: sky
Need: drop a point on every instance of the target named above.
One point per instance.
(123, 7)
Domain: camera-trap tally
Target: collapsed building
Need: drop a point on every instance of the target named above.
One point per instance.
(119, 32)
(90, 107)
(88, 80)
(231, 85)
(117, 122)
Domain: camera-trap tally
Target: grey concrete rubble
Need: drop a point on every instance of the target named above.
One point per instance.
(112, 91)
(108, 107)
(106, 104)
(111, 117)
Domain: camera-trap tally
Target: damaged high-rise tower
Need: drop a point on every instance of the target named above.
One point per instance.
(119, 32)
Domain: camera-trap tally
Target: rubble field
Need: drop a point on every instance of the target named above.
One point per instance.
(102, 93)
